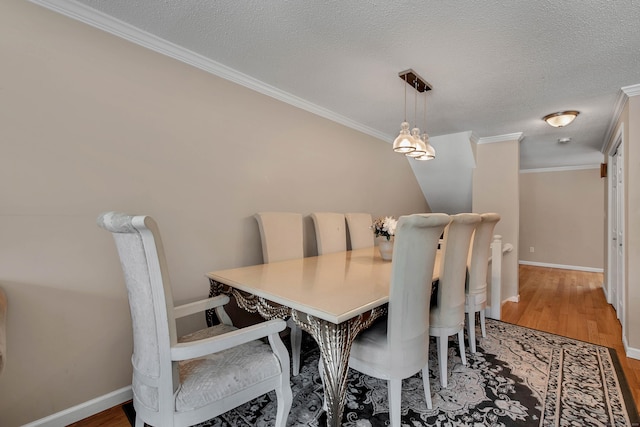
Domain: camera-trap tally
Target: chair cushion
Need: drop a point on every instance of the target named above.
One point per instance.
(371, 345)
(219, 375)
(446, 319)
(475, 300)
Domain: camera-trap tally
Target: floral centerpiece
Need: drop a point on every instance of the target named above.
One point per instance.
(384, 227)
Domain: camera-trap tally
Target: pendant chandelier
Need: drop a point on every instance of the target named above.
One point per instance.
(412, 144)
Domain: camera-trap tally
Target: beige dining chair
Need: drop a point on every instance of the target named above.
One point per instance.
(447, 317)
(476, 284)
(397, 346)
(281, 234)
(331, 235)
(360, 233)
(188, 380)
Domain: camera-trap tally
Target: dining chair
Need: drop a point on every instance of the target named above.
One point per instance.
(360, 233)
(447, 317)
(281, 234)
(331, 235)
(397, 346)
(188, 380)
(476, 283)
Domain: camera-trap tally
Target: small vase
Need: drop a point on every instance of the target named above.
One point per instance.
(386, 248)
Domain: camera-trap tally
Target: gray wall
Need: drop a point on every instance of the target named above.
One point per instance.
(90, 123)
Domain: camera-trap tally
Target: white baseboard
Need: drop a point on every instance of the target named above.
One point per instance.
(632, 353)
(512, 299)
(605, 293)
(84, 410)
(564, 267)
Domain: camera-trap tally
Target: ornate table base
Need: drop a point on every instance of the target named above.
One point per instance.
(334, 341)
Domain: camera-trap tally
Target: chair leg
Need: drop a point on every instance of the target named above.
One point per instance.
(296, 340)
(427, 386)
(442, 359)
(139, 422)
(482, 326)
(395, 401)
(284, 396)
(463, 356)
(471, 330)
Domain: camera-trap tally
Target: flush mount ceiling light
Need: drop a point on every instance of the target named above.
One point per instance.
(561, 118)
(410, 143)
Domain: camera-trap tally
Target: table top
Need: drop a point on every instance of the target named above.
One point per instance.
(334, 287)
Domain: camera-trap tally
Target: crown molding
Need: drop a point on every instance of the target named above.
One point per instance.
(623, 95)
(502, 138)
(633, 90)
(560, 169)
(104, 22)
(621, 100)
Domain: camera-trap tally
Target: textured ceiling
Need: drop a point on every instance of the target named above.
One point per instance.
(496, 67)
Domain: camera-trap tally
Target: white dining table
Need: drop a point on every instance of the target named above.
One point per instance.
(333, 297)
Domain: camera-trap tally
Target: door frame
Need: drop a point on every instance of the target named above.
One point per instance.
(615, 261)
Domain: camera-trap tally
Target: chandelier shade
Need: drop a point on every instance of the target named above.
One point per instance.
(421, 147)
(404, 143)
(430, 152)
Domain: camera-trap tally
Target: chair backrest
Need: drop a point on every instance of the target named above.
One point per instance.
(151, 303)
(281, 234)
(360, 233)
(479, 256)
(414, 253)
(331, 233)
(453, 269)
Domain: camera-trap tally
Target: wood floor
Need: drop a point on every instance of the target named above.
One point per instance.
(564, 302)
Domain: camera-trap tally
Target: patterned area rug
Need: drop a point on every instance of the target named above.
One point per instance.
(518, 377)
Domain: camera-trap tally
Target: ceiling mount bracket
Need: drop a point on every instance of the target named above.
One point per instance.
(414, 80)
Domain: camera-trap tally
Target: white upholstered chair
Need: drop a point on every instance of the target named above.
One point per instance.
(188, 380)
(331, 233)
(281, 234)
(447, 317)
(360, 233)
(397, 347)
(476, 286)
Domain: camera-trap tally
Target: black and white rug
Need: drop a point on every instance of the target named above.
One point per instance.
(518, 377)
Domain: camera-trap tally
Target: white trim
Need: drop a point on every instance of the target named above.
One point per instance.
(633, 353)
(89, 16)
(501, 138)
(84, 410)
(562, 266)
(632, 90)
(623, 96)
(512, 299)
(605, 293)
(617, 111)
(560, 169)
(616, 142)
